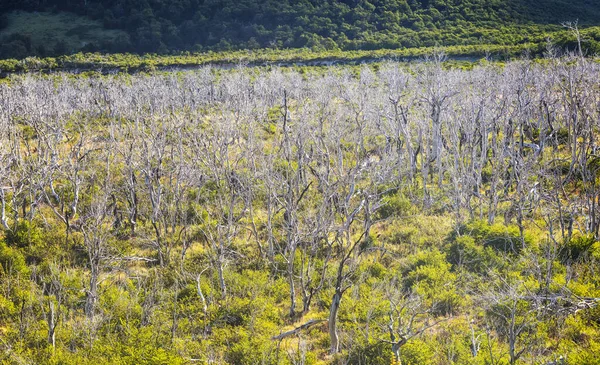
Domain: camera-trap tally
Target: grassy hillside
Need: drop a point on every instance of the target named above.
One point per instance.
(399, 214)
(44, 33)
(556, 11)
(200, 25)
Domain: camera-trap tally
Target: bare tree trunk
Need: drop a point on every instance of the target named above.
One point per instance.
(3, 219)
(52, 325)
(333, 314)
(92, 292)
(222, 284)
(396, 350)
(204, 304)
(291, 281)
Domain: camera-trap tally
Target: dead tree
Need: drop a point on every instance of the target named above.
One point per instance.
(409, 317)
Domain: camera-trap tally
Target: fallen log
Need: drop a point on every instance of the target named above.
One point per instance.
(297, 330)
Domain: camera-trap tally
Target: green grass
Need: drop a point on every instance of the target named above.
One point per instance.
(152, 62)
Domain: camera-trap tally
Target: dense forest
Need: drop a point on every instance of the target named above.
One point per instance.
(384, 214)
(199, 25)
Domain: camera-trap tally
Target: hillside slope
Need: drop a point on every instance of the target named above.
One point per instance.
(198, 25)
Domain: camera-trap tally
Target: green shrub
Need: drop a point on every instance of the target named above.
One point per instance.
(12, 260)
(429, 275)
(497, 236)
(576, 248)
(250, 349)
(562, 135)
(396, 205)
(464, 252)
(25, 234)
(417, 352)
(372, 353)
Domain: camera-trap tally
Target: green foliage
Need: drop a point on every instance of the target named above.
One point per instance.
(54, 33)
(464, 252)
(138, 346)
(372, 353)
(577, 248)
(497, 236)
(395, 205)
(25, 235)
(248, 349)
(428, 274)
(442, 286)
(417, 352)
(592, 316)
(31, 240)
(183, 25)
(7, 308)
(12, 260)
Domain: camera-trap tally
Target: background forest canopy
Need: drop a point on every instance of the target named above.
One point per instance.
(51, 27)
(383, 214)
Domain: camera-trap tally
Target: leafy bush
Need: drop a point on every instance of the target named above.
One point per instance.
(25, 234)
(576, 248)
(429, 275)
(395, 206)
(250, 349)
(417, 352)
(464, 252)
(12, 260)
(497, 236)
(372, 353)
